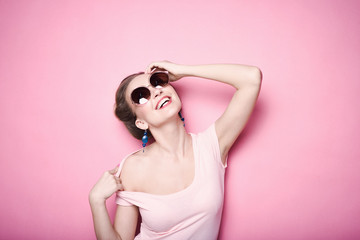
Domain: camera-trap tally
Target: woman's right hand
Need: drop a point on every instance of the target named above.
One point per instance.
(106, 186)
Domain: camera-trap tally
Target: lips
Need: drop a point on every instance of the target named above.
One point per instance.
(163, 102)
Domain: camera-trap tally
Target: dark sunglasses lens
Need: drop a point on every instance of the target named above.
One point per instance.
(140, 95)
(159, 79)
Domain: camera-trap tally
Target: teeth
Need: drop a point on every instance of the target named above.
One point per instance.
(163, 102)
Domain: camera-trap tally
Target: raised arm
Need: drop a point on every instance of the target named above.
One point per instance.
(245, 79)
(126, 217)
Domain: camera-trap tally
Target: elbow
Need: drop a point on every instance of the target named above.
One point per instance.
(255, 77)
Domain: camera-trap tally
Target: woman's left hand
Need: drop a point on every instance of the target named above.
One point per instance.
(176, 71)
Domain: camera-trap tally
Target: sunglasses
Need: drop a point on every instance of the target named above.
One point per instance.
(141, 95)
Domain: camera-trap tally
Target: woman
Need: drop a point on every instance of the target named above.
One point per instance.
(176, 183)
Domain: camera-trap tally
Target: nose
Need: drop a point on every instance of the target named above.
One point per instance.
(156, 91)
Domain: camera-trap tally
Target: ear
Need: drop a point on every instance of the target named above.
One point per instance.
(141, 124)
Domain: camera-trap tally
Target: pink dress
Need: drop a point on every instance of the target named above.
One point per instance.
(192, 213)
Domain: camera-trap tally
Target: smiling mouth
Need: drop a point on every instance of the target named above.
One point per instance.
(163, 103)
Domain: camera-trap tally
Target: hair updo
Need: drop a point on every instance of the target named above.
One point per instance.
(123, 110)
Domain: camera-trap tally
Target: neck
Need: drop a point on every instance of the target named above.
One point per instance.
(171, 138)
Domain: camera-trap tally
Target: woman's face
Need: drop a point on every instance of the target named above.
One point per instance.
(162, 106)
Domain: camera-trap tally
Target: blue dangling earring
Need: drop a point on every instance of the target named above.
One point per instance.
(144, 139)
(182, 119)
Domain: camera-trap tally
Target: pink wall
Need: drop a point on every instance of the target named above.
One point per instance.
(294, 172)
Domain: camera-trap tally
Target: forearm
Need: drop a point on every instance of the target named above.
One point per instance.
(102, 223)
(236, 75)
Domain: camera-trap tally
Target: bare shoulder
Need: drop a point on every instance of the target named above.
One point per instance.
(132, 172)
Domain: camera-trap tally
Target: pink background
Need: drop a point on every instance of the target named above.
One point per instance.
(293, 173)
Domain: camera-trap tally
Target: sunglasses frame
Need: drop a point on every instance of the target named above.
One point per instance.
(148, 95)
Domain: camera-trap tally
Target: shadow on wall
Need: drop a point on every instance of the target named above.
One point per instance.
(254, 122)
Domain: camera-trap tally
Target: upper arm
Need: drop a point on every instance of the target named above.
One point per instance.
(233, 120)
(132, 174)
(125, 223)
(126, 217)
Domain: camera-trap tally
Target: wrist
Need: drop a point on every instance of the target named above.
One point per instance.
(96, 200)
(187, 70)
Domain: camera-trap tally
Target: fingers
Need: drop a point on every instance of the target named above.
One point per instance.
(119, 186)
(105, 187)
(114, 170)
(152, 66)
(113, 182)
